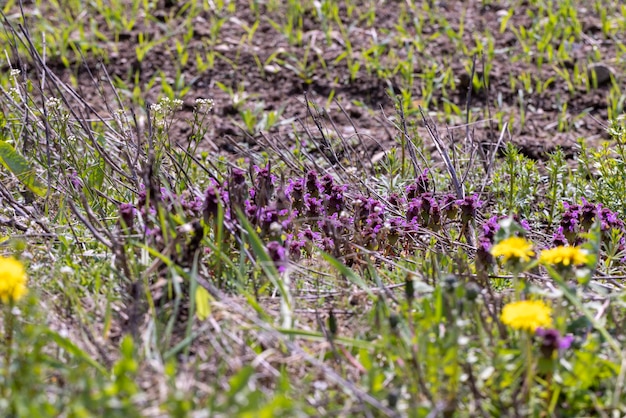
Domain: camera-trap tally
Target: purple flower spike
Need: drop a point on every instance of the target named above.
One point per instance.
(75, 180)
(552, 341)
(490, 228)
(264, 185)
(484, 259)
(449, 206)
(295, 192)
(312, 184)
(587, 214)
(278, 254)
(211, 202)
(335, 199)
(127, 214)
(420, 186)
(327, 183)
(468, 207)
(559, 239)
(238, 189)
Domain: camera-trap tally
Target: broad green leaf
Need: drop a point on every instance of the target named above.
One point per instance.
(17, 164)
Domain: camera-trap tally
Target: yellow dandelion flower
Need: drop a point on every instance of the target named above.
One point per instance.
(527, 315)
(564, 256)
(12, 280)
(515, 248)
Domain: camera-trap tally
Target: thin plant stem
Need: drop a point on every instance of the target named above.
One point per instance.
(8, 340)
(530, 372)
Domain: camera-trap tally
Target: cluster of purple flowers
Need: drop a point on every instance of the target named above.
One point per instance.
(578, 219)
(552, 342)
(188, 202)
(296, 216)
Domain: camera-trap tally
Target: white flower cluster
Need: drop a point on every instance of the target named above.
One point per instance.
(204, 105)
(53, 104)
(164, 109)
(15, 94)
(165, 106)
(55, 108)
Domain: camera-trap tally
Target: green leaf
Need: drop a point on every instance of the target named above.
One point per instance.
(203, 309)
(74, 350)
(316, 336)
(348, 273)
(263, 258)
(18, 165)
(240, 381)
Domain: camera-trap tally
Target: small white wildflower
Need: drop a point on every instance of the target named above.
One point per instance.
(204, 105)
(53, 103)
(165, 106)
(15, 72)
(14, 92)
(177, 104)
(156, 107)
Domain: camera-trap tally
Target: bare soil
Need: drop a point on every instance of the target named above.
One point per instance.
(365, 100)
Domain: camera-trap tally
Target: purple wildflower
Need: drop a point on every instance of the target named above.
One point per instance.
(420, 186)
(264, 185)
(127, 214)
(278, 254)
(395, 200)
(559, 239)
(484, 258)
(312, 184)
(425, 210)
(238, 191)
(295, 248)
(367, 211)
(609, 219)
(295, 192)
(314, 205)
(328, 245)
(524, 224)
(266, 217)
(335, 199)
(75, 181)
(142, 196)
(490, 227)
(211, 202)
(569, 222)
(191, 204)
(552, 342)
(396, 229)
(449, 206)
(327, 183)
(469, 205)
